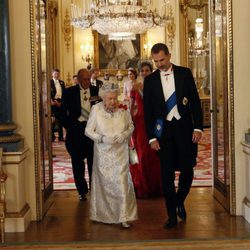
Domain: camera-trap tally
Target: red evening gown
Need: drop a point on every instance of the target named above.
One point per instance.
(145, 175)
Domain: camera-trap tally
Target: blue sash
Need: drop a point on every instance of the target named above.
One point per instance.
(171, 102)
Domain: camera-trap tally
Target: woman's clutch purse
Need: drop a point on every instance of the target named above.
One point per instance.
(133, 157)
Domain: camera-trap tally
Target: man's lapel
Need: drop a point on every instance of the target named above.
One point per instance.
(158, 86)
(94, 93)
(178, 83)
(78, 98)
(91, 89)
(53, 87)
(61, 84)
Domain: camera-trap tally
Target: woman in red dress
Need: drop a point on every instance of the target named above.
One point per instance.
(145, 175)
(128, 85)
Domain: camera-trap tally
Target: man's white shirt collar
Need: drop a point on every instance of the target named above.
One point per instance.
(167, 72)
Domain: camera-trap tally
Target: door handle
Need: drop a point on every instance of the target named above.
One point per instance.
(211, 110)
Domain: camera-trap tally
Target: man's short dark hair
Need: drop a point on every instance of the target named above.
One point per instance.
(159, 47)
(93, 70)
(56, 70)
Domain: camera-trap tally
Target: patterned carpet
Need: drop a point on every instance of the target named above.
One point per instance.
(63, 177)
(203, 175)
(62, 168)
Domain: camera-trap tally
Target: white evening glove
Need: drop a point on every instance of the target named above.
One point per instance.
(108, 140)
(119, 138)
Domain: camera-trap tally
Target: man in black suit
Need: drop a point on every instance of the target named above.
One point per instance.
(94, 81)
(76, 102)
(75, 80)
(173, 119)
(57, 88)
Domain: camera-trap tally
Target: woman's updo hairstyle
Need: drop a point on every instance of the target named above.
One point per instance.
(145, 64)
(133, 71)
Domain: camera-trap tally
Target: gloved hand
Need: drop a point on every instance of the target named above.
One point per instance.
(119, 138)
(108, 140)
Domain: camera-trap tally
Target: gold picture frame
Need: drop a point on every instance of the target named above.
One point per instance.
(111, 56)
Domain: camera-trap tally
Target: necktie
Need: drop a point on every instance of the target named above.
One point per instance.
(168, 72)
(166, 75)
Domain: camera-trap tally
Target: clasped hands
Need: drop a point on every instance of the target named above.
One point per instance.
(56, 103)
(113, 139)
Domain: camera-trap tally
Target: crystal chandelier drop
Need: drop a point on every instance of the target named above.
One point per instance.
(198, 42)
(120, 19)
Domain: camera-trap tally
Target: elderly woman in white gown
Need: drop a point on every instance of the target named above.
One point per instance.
(110, 126)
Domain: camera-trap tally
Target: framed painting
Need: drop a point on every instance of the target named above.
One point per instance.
(111, 56)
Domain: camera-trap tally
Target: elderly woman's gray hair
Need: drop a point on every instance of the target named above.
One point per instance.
(107, 88)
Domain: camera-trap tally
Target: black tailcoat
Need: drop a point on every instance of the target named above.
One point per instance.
(177, 152)
(56, 111)
(78, 145)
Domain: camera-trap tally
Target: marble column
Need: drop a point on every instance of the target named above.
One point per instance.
(9, 141)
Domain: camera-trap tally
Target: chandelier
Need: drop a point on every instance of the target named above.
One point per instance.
(198, 43)
(120, 19)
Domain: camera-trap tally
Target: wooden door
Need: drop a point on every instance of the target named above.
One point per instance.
(222, 102)
(44, 168)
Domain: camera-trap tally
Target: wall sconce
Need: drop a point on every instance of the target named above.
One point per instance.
(147, 50)
(87, 54)
(119, 76)
(106, 76)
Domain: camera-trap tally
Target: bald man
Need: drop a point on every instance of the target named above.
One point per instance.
(76, 103)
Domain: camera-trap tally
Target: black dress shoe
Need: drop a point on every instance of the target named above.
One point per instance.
(181, 212)
(171, 222)
(82, 197)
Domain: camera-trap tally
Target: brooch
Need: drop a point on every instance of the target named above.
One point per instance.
(121, 106)
(184, 101)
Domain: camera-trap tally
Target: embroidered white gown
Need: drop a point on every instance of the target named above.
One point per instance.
(112, 198)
